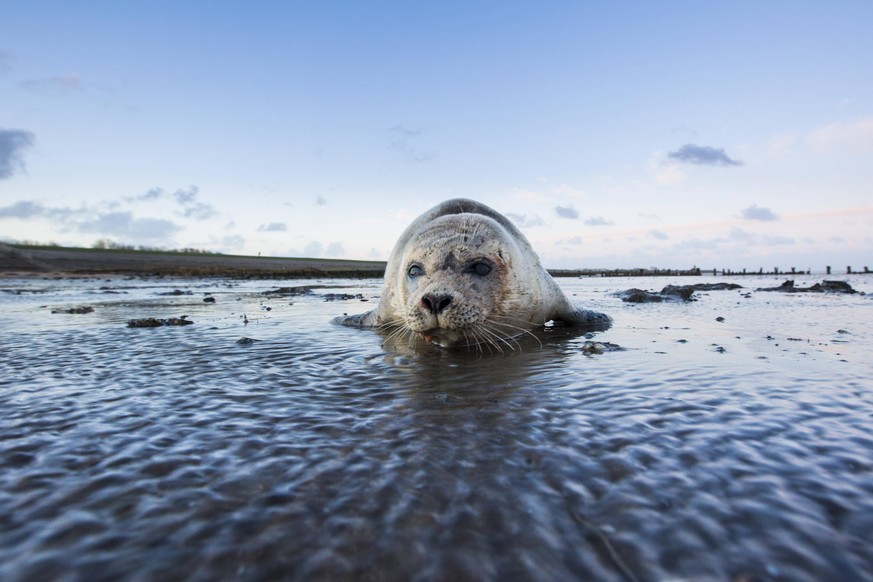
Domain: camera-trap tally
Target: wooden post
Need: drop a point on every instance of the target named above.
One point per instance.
(828, 268)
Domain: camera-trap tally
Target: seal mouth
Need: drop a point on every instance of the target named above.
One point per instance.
(439, 337)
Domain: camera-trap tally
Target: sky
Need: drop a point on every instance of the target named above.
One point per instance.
(625, 134)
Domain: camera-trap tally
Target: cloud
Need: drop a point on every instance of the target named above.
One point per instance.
(665, 171)
(855, 135)
(401, 139)
(313, 249)
(524, 220)
(598, 221)
(658, 234)
(755, 212)
(703, 155)
(153, 194)
(12, 143)
(120, 224)
(316, 249)
(751, 239)
(63, 83)
(778, 240)
(567, 212)
(189, 207)
(27, 209)
(575, 241)
(186, 197)
(335, 250)
(123, 224)
(738, 234)
(273, 227)
(23, 209)
(320, 200)
(233, 242)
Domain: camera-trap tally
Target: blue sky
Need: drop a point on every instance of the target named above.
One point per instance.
(615, 134)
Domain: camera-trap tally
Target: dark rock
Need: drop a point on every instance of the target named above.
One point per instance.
(714, 286)
(75, 310)
(823, 287)
(298, 290)
(209, 300)
(341, 296)
(590, 347)
(668, 293)
(154, 322)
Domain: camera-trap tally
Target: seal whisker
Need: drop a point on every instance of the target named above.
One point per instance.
(497, 335)
(487, 337)
(397, 331)
(522, 330)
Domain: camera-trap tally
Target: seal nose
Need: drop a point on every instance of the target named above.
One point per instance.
(436, 303)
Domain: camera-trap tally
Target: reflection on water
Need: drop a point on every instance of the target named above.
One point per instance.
(315, 453)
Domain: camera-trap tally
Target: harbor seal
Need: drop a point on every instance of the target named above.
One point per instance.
(462, 274)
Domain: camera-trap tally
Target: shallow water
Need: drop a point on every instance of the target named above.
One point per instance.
(739, 449)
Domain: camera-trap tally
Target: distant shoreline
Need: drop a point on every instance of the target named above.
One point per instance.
(78, 261)
(20, 260)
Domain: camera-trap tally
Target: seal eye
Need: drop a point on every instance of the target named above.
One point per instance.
(480, 268)
(414, 271)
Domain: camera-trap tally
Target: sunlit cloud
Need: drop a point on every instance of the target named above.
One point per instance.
(854, 135)
(667, 172)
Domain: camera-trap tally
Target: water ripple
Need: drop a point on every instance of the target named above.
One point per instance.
(314, 452)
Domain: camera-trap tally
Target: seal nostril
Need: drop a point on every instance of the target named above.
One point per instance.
(436, 303)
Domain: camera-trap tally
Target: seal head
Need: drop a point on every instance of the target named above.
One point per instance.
(462, 274)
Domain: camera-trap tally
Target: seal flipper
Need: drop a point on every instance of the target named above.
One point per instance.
(367, 319)
(584, 318)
